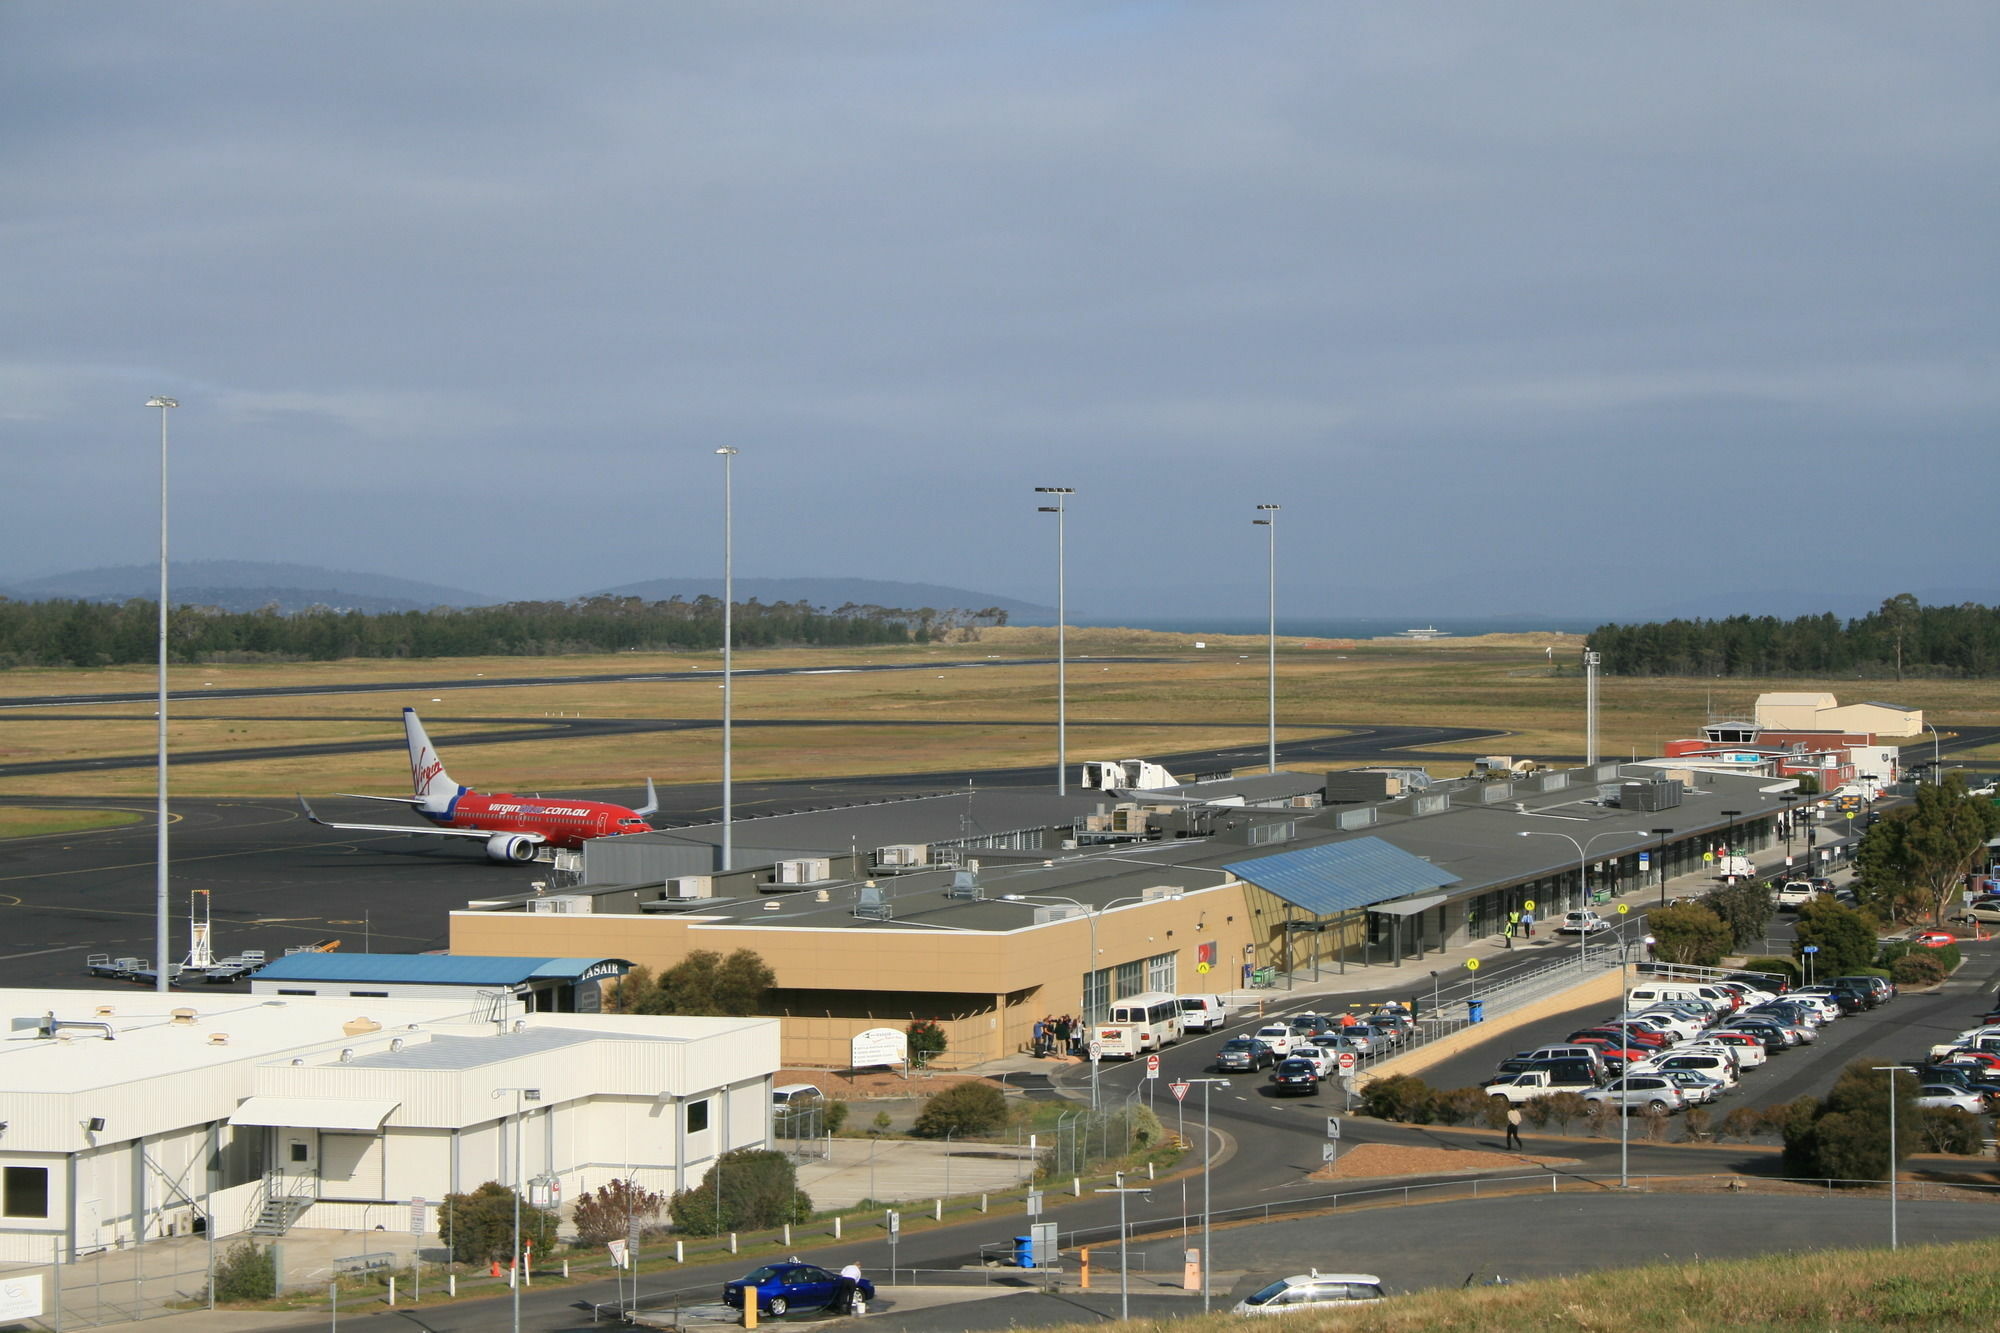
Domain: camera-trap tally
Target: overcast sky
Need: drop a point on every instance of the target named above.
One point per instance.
(1587, 308)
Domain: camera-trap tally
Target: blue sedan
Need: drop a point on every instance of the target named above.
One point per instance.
(789, 1286)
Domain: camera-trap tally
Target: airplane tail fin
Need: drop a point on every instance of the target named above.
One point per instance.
(429, 783)
(652, 805)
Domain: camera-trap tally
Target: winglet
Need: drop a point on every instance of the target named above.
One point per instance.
(652, 805)
(309, 810)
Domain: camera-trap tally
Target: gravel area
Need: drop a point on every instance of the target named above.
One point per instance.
(1373, 1161)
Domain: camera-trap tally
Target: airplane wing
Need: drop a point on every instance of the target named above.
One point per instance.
(410, 828)
(397, 800)
(652, 805)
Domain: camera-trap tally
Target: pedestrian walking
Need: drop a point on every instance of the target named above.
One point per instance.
(1528, 924)
(1514, 1127)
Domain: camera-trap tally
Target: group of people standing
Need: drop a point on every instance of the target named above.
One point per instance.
(1062, 1035)
(1519, 923)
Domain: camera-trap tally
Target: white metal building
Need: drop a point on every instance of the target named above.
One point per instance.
(127, 1118)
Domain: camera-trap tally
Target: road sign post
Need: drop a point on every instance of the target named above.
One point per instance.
(1152, 1066)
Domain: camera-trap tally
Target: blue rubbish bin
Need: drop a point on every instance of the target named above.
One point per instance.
(1024, 1251)
(1475, 1011)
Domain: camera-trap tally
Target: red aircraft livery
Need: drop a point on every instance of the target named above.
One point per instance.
(514, 827)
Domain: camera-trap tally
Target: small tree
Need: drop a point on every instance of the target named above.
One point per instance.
(1742, 1123)
(1565, 1107)
(1944, 1129)
(1689, 934)
(1915, 969)
(1846, 1137)
(1920, 854)
(1846, 937)
(962, 1110)
(480, 1225)
(1783, 967)
(615, 1210)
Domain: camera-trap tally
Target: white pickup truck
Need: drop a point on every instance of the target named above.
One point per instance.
(1795, 893)
(1532, 1083)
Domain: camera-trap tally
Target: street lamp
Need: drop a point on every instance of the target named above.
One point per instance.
(1061, 493)
(1090, 965)
(728, 635)
(1207, 1154)
(1892, 1071)
(1937, 754)
(1662, 834)
(1582, 876)
(164, 404)
(1124, 1265)
(1789, 800)
(1271, 669)
(521, 1095)
(1729, 840)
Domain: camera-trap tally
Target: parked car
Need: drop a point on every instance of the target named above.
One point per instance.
(1244, 1054)
(1296, 1074)
(1312, 1291)
(1794, 894)
(1612, 1032)
(1698, 1088)
(1638, 1092)
(1751, 1051)
(1988, 914)
(1543, 1082)
(1963, 1078)
(1716, 1064)
(789, 1286)
(1945, 1097)
(1774, 1035)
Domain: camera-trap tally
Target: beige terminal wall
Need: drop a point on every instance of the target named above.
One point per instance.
(986, 988)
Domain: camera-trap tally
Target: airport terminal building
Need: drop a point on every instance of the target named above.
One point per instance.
(989, 910)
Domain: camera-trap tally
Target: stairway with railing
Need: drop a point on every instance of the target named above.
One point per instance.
(280, 1202)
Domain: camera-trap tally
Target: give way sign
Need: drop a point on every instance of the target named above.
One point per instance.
(1180, 1089)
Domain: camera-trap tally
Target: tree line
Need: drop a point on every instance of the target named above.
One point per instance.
(85, 633)
(1902, 637)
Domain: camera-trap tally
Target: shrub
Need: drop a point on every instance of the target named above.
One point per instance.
(1784, 967)
(1459, 1105)
(614, 1210)
(1535, 1111)
(1656, 1125)
(962, 1110)
(1914, 969)
(1392, 1098)
(1696, 1122)
(480, 1225)
(1743, 1123)
(882, 1122)
(1563, 1107)
(926, 1040)
(1494, 1113)
(835, 1115)
(759, 1188)
(1945, 1130)
(1603, 1115)
(1845, 937)
(1689, 934)
(246, 1272)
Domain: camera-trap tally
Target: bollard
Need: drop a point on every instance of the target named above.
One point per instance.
(732, 1242)
(677, 1252)
(1076, 1186)
(392, 1289)
(750, 1308)
(836, 1228)
(1149, 1170)
(788, 1235)
(1083, 1268)
(565, 1270)
(937, 1210)
(982, 1203)
(451, 1285)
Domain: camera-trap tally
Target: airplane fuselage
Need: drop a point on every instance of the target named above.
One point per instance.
(559, 822)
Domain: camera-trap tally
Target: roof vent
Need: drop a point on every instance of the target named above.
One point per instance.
(218, 1038)
(355, 1027)
(182, 1018)
(395, 1043)
(105, 1011)
(346, 1054)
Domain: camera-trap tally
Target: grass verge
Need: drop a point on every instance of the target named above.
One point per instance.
(21, 821)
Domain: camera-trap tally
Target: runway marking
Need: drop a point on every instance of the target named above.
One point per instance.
(33, 953)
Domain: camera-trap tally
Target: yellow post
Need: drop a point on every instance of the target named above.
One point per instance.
(749, 1307)
(1083, 1257)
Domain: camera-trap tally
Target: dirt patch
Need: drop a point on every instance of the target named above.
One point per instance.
(863, 1085)
(1374, 1161)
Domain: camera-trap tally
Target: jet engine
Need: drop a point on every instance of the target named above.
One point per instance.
(511, 848)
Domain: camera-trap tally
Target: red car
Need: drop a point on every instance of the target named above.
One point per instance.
(1974, 1059)
(1617, 1037)
(1936, 939)
(1614, 1052)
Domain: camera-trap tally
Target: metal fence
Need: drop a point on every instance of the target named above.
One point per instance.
(114, 1286)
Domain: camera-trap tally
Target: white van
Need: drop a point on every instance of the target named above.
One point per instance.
(1202, 1013)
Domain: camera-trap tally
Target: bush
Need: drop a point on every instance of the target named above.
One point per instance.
(1846, 1136)
(962, 1110)
(615, 1210)
(1845, 937)
(1689, 935)
(1459, 1105)
(1494, 1113)
(246, 1272)
(759, 1188)
(835, 1115)
(1563, 1107)
(1395, 1097)
(1697, 1122)
(1784, 967)
(926, 1041)
(1946, 1130)
(1743, 1123)
(1915, 969)
(480, 1225)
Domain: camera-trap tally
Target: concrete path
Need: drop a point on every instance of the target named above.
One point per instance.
(894, 1170)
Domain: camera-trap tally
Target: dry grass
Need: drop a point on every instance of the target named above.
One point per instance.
(999, 716)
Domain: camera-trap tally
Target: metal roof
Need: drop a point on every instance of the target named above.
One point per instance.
(1341, 876)
(314, 1113)
(447, 1051)
(429, 969)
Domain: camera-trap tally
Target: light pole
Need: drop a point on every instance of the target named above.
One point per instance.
(1937, 754)
(1582, 877)
(1124, 1264)
(1662, 834)
(1059, 509)
(1789, 800)
(1892, 1071)
(165, 404)
(521, 1095)
(1207, 1155)
(728, 646)
(1271, 651)
(1090, 966)
(1729, 840)
(1625, 1025)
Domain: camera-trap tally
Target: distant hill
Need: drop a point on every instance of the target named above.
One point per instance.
(246, 585)
(833, 593)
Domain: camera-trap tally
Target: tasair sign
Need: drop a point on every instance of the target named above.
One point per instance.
(879, 1046)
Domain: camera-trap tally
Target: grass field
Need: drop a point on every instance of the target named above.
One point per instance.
(1215, 696)
(25, 822)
